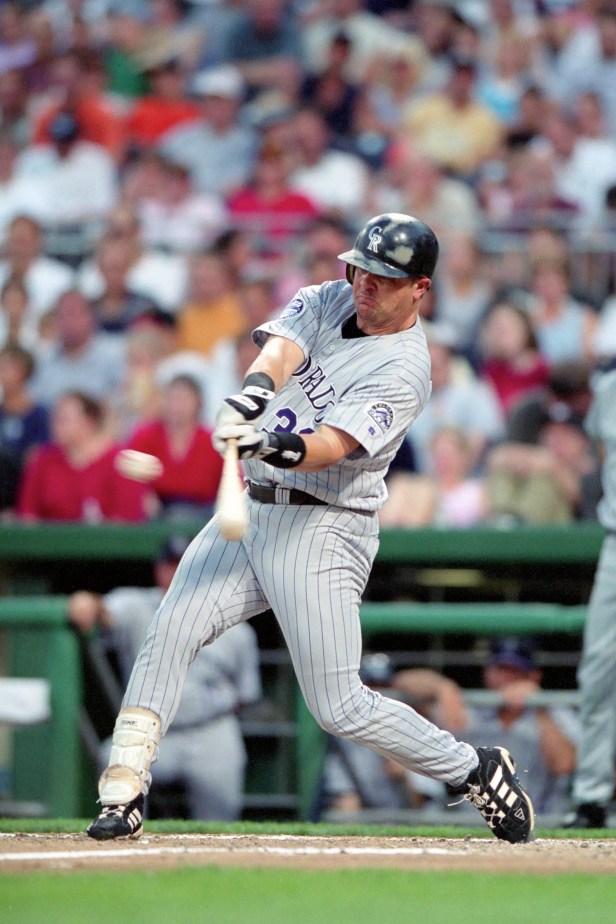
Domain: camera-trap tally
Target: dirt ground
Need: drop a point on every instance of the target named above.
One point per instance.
(66, 852)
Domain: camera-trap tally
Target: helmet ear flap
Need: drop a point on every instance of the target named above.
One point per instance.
(350, 273)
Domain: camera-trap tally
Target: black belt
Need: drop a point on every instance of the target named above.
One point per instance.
(280, 495)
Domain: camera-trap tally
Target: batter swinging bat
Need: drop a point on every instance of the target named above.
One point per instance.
(230, 503)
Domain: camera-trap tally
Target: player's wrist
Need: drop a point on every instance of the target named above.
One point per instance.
(259, 384)
(285, 450)
(249, 405)
(282, 450)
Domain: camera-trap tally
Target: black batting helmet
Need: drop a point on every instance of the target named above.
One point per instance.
(393, 245)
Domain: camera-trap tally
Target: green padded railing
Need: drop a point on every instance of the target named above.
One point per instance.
(46, 758)
(579, 542)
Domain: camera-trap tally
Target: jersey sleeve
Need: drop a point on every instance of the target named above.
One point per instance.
(300, 320)
(378, 412)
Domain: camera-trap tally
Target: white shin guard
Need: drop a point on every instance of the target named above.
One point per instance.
(136, 737)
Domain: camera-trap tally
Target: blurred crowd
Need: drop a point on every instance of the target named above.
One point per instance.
(173, 171)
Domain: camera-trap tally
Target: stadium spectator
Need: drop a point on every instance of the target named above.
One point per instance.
(590, 62)
(24, 257)
(533, 109)
(455, 130)
(174, 217)
(462, 290)
(160, 276)
(270, 206)
(172, 33)
(75, 88)
(18, 324)
(413, 182)
(459, 399)
(535, 199)
(553, 481)
(166, 105)
(332, 93)
(17, 47)
(369, 35)
(590, 117)
(212, 309)
(128, 22)
(565, 327)
(446, 495)
(567, 392)
(74, 476)
(80, 359)
(118, 306)
(192, 468)
(14, 115)
(264, 45)
(388, 82)
(74, 180)
(23, 423)
(315, 259)
(137, 397)
(584, 168)
(230, 145)
(17, 197)
(508, 355)
(336, 181)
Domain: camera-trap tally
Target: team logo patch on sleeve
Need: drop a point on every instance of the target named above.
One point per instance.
(292, 308)
(383, 414)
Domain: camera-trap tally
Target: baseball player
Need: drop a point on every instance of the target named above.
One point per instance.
(593, 785)
(342, 374)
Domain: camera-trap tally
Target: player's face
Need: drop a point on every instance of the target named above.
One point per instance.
(384, 305)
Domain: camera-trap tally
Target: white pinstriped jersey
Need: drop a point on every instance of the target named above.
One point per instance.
(370, 387)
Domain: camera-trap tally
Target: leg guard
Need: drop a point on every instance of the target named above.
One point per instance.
(136, 737)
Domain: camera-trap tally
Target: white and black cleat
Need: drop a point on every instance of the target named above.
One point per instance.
(494, 789)
(118, 821)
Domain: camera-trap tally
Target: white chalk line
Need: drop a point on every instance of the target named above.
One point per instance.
(93, 854)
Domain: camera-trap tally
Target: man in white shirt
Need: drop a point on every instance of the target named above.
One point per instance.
(45, 278)
(75, 180)
(336, 181)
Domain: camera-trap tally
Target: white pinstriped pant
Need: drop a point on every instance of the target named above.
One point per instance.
(310, 565)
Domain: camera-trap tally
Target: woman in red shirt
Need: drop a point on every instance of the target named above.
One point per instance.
(510, 359)
(191, 466)
(74, 477)
(269, 206)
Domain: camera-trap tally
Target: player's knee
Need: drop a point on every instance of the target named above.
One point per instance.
(344, 719)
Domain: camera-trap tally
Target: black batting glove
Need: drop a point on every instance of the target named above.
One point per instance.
(249, 405)
(283, 450)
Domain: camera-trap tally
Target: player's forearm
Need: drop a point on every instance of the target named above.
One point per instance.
(279, 359)
(325, 447)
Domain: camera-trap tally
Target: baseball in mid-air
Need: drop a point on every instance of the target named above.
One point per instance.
(139, 466)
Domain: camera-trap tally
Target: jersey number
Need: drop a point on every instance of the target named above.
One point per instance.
(287, 421)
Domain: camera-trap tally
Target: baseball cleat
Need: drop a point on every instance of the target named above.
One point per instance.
(118, 821)
(494, 789)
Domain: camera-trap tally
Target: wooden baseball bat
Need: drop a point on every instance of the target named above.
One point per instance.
(230, 502)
